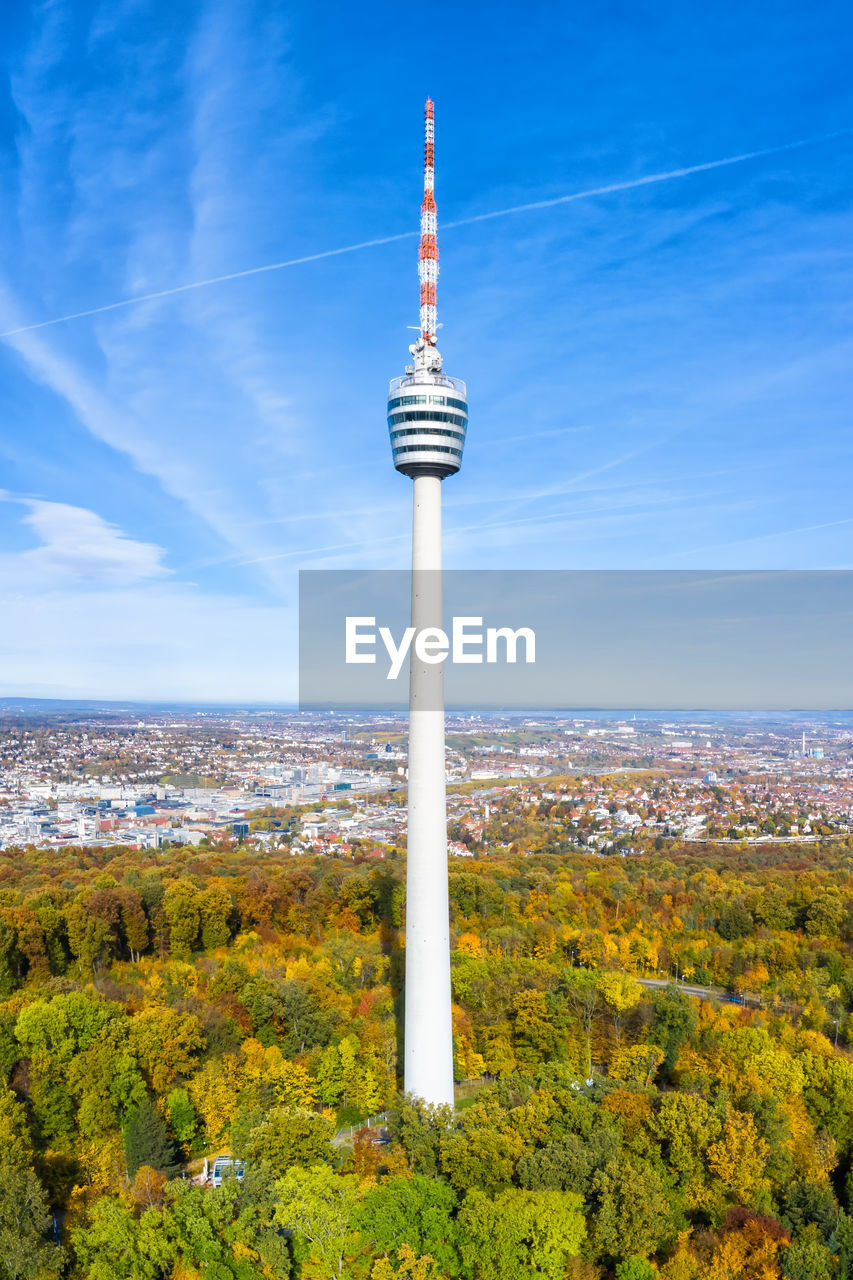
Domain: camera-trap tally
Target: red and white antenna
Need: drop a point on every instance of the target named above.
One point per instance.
(428, 255)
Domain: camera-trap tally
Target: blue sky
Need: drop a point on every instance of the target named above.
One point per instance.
(659, 377)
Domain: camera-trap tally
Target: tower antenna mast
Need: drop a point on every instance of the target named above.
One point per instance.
(428, 255)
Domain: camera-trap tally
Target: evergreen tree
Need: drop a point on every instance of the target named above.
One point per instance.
(147, 1141)
(27, 1251)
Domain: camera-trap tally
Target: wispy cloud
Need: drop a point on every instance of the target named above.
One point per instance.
(97, 610)
(528, 207)
(193, 384)
(76, 546)
(117, 425)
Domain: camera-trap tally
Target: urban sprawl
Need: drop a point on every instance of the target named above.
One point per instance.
(337, 784)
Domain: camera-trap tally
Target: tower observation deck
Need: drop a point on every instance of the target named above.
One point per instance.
(427, 421)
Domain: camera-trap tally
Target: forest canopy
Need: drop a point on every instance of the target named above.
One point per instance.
(651, 1055)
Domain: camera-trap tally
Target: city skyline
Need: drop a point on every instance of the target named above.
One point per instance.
(662, 370)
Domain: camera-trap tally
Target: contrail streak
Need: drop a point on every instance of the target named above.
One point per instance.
(459, 222)
(202, 284)
(647, 181)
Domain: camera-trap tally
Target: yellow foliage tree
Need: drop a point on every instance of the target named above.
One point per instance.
(498, 1057)
(739, 1158)
(620, 990)
(633, 1109)
(637, 1064)
(750, 1253)
(411, 1267)
(166, 1044)
(265, 1070)
(215, 1090)
(147, 1188)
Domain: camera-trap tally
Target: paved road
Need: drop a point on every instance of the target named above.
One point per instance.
(703, 993)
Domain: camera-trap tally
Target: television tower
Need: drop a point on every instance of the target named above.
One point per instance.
(427, 420)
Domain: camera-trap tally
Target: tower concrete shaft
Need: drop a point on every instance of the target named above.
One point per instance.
(428, 1027)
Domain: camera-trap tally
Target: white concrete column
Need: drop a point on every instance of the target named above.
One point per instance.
(428, 1061)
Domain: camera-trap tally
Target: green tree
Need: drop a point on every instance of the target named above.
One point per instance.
(26, 1251)
(134, 922)
(807, 1202)
(62, 1026)
(116, 1245)
(674, 1022)
(482, 1149)
(183, 916)
(227, 1232)
(215, 908)
(632, 1211)
(735, 920)
(808, 1258)
(31, 943)
(182, 1117)
(255, 1225)
(224, 1234)
(318, 1205)
(519, 1235)
(51, 1033)
(55, 931)
(416, 1211)
(636, 1268)
(825, 915)
(569, 1163)
(419, 1128)
(106, 1081)
(10, 960)
(582, 990)
(9, 1047)
(686, 1126)
(89, 937)
(841, 1244)
(282, 1137)
(147, 1141)
(303, 1023)
(534, 1034)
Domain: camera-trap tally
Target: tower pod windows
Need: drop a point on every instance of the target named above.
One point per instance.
(426, 415)
(399, 401)
(433, 431)
(426, 448)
